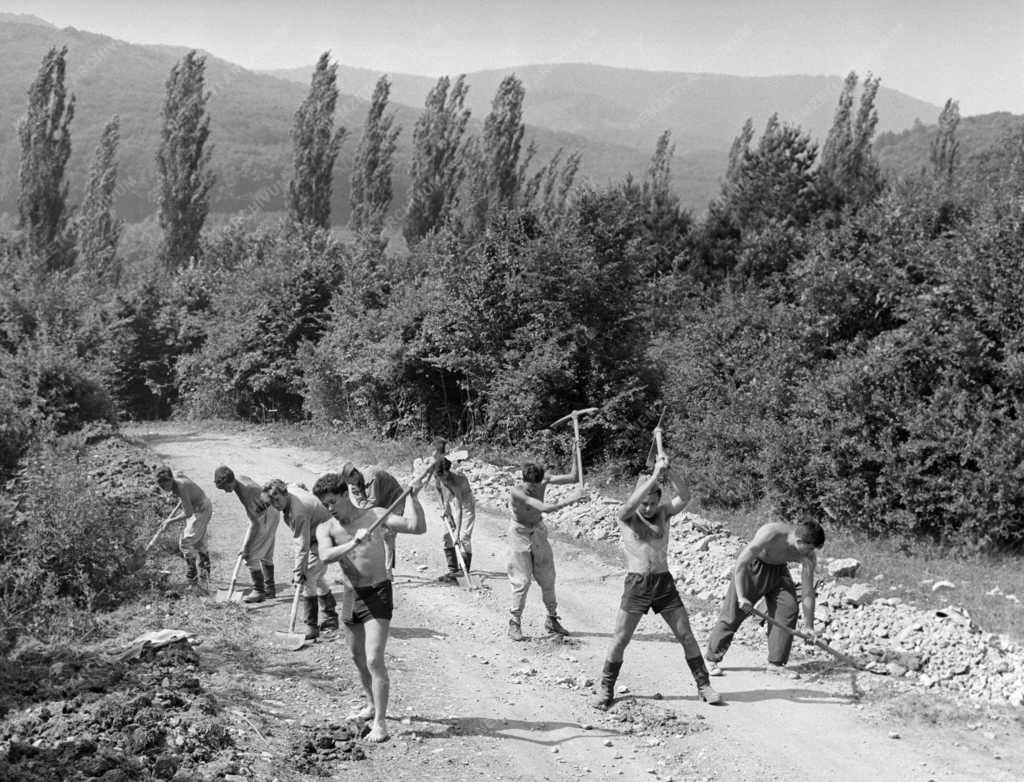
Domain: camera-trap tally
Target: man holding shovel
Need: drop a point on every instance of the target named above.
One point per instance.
(530, 555)
(644, 522)
(196, 511)
(455, 491)
(354, 538)
(303, 513)
(762, 570)
(258, 546)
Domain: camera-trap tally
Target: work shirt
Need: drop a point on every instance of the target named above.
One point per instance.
(303, 515)
(380, 489)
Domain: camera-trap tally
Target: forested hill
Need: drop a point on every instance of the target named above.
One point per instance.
(986, 146)
(598, 110)
(251, 116)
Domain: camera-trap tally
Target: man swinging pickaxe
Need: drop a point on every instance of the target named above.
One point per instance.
(575, 416)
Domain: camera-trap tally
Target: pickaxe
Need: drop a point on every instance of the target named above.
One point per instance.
(657, 447)
(845, 658)
(575, 416)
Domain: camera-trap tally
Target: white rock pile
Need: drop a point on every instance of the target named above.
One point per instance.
(921, 647)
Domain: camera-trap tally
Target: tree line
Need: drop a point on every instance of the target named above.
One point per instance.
(844, 345)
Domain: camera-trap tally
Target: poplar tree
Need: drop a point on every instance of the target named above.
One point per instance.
(98, 230)
(849, 172)
(316, 144)
(435, 171)
(45, 138)
(371, 172)
(945, 147)
(494, 172)
(183, 161)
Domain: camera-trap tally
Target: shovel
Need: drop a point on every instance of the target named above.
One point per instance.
(139, 557)
(229, 595)
(291, 640)
(845, 658)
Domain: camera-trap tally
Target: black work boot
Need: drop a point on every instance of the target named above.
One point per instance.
(468, 559)
(309, 617)
(552, 625)
(258, 594)
(191, 574)
(606, 691)
(269, 588)
(453, 567)
(700, 675)
(329, 610)
(204, 566)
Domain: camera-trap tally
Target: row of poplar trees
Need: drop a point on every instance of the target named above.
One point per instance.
(477, 175)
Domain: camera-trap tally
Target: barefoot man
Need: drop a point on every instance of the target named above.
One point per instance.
(762, 570)
(367, 605)
(644, 524)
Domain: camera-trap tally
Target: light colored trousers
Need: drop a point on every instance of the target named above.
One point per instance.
(530, 558)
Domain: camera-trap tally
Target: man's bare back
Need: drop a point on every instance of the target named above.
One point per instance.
(773, 546)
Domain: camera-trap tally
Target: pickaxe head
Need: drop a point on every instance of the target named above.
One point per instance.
(575, 415)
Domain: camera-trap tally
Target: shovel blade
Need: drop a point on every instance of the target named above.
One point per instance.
(229, 596)
(291, 641)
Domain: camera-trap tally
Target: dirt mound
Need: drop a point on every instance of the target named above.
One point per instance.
(634, 716)
(317, 749)
(96, 718)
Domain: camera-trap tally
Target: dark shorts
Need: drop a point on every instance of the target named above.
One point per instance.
(645, 592)
(373, 602)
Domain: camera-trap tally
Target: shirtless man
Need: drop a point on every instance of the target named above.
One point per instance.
(368, 601)
(196, 511)
(303, 514)
(644, 522)
(258, 546)
(530, 555)
(762, 571)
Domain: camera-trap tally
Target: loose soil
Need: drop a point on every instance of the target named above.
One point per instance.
(469, 704)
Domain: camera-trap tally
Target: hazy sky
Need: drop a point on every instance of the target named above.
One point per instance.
(931, 49)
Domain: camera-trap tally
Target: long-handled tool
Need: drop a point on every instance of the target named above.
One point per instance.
(290, 639)
(230, 595)
(575, 417)
(657, 447)
(139, 557)
(810, 639)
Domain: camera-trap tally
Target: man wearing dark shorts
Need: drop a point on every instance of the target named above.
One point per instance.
(366, 605)
(644, 523)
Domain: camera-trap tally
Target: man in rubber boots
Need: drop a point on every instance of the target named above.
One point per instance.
(762, 570)
(530, 555)
(302, 514)
(368, 602)
(375, 488)
(258, 546)
(196, 512)
(456, 491)
(644, 523)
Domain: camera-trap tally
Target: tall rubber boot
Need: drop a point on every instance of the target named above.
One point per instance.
(191, 574)
(606, 691)
(258, 594)
(700, 675)
(309, 617)
(467, 557)
(204, 566)
(452, 575)
(269, 588)
(329, 611)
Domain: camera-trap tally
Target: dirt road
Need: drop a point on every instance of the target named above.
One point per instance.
(469, 704)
